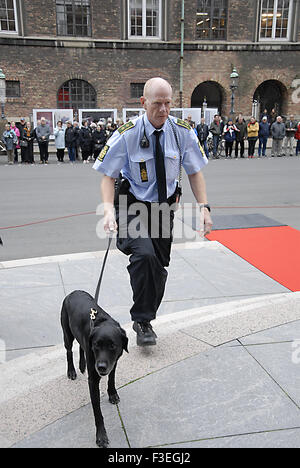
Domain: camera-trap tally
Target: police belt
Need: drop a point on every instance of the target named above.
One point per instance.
(122, 187)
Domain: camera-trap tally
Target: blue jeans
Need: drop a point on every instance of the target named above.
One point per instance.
(216, 141)
(72, 153)
(262, 146)
(204, 146)
(298, 147)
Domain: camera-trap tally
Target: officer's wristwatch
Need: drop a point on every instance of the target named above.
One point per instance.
(208, 207)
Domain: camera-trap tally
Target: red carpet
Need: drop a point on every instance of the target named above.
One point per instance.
(273, 250)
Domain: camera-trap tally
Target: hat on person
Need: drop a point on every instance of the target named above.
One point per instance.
(22, 118)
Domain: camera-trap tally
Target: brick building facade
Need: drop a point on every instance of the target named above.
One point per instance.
(103, 51)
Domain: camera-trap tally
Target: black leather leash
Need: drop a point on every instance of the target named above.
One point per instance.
(103, 266)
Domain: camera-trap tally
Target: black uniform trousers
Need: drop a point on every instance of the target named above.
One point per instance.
(149, 254)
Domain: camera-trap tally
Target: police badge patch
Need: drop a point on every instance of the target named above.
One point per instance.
(103, 153)
(125, 127)
(143, 171)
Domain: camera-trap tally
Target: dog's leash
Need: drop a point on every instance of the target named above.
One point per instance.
(102, 270)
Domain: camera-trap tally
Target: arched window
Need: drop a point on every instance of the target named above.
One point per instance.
(76, 94)
(212, 92)
(271, 94)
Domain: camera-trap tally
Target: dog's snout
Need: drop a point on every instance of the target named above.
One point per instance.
(102, 368)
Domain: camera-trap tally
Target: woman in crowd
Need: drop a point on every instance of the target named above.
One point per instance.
(59, 134)
(17, 132)
(85, 141)
(9, 139)
(28, 137)
(230, 136)
(71, 137)
(99, 139)
(253, 129)
(297, 136)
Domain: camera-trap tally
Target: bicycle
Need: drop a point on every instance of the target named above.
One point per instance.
(210, 146)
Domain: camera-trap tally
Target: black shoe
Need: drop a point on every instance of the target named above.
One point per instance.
(145, 334)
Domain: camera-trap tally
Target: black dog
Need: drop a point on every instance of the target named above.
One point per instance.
(101, 341)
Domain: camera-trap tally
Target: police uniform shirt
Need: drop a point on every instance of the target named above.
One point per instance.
(123, 153)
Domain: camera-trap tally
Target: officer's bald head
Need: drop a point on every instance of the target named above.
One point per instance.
(155, 85)
(157, 101)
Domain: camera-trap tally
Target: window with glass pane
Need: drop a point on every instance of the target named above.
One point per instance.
(73, 17)
(77, 94)
(12, 88)
(275, 17)
(211, 19)
(7, 16)
(136, 90)
(144, 18)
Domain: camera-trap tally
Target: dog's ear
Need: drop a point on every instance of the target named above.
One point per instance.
(124, 340)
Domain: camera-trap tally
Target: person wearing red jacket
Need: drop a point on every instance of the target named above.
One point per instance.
(297, 136)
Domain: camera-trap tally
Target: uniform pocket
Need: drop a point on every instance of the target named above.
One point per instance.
(172, 162)
(142, 169)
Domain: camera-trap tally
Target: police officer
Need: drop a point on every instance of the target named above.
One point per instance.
(147, 153)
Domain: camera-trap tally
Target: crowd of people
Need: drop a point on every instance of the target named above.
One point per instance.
(285, 135)
(83, 143)
(86, 143)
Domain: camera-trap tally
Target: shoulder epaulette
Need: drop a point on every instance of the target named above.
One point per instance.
(126, 127)
(184, 124)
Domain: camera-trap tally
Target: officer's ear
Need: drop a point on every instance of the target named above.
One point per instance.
(143, 102)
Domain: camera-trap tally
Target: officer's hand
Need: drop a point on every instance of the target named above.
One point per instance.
(208, 224)
(109, 222)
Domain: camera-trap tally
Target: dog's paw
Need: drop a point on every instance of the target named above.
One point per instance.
(114, 398)
(72, 375)
(102, 441)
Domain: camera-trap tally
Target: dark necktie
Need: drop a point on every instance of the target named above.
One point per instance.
(160, 170)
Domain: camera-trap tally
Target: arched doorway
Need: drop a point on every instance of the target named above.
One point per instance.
(212, 92)
(76, 94)
(271, 94)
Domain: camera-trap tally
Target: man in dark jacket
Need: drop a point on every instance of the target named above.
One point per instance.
(202, 133)
(43, 134)
(263, 135)
(241, 136)
(291, 129)
(216, 128)
(71, 137)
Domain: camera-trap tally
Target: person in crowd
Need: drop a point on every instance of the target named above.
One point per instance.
(202, 132)
(99, 140)
(21, 125)
(278, 133)
(252, 131)
(10, 140)
(59, 135)
(263, 135)
(85, 141)
(17, 146)
(297, 137)
(273, 116)
(230, 131)
(71, 137)
(28, 138)
(265, 114)
(241, 136)
(43, 134)
(290, 128)
(77, 147)
(216, 130)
